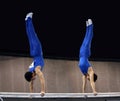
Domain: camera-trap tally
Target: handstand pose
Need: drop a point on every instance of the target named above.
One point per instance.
(36, 52)
(84, 54)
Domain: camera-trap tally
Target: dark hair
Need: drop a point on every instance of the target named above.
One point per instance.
(95, 77)
(28, 76)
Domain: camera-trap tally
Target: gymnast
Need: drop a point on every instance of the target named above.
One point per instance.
(36, 53)
(84, 54)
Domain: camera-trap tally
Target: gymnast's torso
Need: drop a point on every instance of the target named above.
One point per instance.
(84, 64)
(38, 61)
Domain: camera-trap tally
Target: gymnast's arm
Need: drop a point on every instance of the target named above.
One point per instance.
(42, 80)
(31, 86)
(91, 74)
(84, 83)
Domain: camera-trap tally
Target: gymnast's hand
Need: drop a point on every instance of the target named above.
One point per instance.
(95, 93)
(42, 93)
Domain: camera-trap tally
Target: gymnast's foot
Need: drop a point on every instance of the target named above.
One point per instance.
(89, 21)
(29, 15)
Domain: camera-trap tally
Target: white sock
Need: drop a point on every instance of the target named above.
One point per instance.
(29, 15)
(89, 21)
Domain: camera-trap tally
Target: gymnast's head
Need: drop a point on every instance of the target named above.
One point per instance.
(95, 77)
(29, 76)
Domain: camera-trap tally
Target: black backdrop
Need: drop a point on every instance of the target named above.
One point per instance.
(60, 25)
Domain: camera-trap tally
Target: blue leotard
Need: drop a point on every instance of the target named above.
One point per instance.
(85, 51)
(35, 46)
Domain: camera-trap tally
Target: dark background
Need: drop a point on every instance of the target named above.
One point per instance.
(60, 25)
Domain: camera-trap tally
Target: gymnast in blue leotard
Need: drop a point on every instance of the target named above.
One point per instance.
(85, 52)
(36, 53)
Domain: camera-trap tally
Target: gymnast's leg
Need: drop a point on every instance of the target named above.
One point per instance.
(86, 45)
(35, 45)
